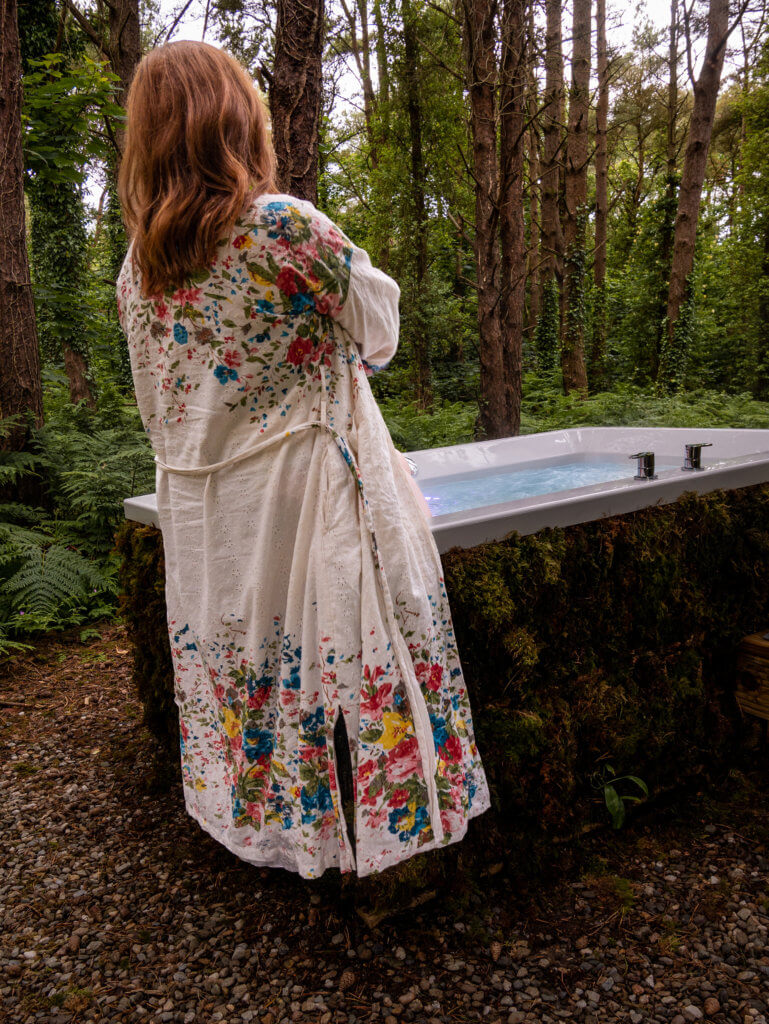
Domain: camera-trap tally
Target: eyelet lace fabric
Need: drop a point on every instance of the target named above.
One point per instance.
(302, 579)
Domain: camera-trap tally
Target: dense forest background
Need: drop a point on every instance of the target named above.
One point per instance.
(572, 197)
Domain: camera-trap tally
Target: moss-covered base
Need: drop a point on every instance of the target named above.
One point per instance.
(605, 647)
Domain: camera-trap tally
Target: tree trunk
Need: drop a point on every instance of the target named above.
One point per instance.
(532, 136)
(573, 327)
(552, 122)
(512, 231)
(124, 47)
(361, 51)
(479, 41)
(671, 187)
(761, 380)
(693, 174)
(421, 338)
(20, 384)
(383, 71)
(295, 95)
(369, 102)
(383, 110)
(601, 196)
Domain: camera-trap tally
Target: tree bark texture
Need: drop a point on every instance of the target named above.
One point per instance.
(552, 125)
(20, 383)
(382, 106)
(512, 229)
(671, 187)
(601, 195)
(761, 381)
(573, 327)
(295, 95)
(411, 60)
(533, 160)
(601, 120)
(124, 42)
(125, 50)
(361, 51)
(479, 18)
(695, 161)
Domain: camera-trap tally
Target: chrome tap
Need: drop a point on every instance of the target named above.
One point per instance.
(645, 466)
(412, 465)
(693, 453)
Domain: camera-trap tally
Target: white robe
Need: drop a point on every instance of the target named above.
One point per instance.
(302, 578)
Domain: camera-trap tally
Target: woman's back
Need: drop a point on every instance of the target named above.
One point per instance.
(237, 350)
(303, 586)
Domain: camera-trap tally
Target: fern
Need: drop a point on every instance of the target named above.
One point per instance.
(56, 566)
(50, 577)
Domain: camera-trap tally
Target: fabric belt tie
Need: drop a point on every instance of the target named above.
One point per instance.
(421, 715)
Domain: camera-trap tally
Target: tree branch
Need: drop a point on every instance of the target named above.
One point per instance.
(87, 27)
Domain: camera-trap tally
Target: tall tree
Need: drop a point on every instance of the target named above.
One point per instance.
(20, 384)
(601, 195)
(575, 225)
(692, 177)
(361, 51)
(411, 76)
(58, 240)
(295, 95)
(512, 231)
(116, 38)
(533, 162)
(479, 20)
(124, 43)
(668, 206)
(552, 130)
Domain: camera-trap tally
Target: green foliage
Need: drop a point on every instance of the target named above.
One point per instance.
(66, 98)
(599, 658)
(64, 104)
(546, 337)
(545, 408)
(675, 349)
(142, 603)
(575, 262)
(615, 801)
(449, 423)
(57, 568)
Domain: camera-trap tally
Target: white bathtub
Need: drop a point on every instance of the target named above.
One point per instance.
(737, 458)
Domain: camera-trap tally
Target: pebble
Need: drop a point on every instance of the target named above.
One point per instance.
(113, 896)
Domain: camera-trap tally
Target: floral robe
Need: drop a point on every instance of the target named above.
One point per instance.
(302, 578)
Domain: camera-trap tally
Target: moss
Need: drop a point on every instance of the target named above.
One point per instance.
(610, 642)
(143, 605)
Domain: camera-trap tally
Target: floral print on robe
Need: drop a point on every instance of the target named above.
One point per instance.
(302, 579)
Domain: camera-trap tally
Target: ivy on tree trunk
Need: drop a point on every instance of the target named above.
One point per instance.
(20, 383)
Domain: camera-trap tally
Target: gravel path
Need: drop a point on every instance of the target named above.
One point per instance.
(115, 906)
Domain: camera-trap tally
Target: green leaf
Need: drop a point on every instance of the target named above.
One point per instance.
(615, 806)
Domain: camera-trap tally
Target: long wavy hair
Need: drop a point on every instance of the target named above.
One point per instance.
(196, 146)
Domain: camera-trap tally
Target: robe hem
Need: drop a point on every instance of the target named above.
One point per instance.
(279, 860)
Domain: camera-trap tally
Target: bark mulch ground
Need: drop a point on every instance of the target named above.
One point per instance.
(115, 906)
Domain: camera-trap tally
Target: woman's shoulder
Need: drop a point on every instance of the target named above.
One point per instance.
(280, 212)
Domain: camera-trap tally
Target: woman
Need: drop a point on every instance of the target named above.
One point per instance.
(302, 579)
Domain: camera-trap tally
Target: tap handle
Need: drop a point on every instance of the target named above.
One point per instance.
(693, 453)
(645, 469)
(698, 444)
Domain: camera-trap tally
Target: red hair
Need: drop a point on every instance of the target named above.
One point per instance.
(196, 145)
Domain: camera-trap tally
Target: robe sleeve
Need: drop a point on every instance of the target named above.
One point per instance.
(370, 311)
(366, 300)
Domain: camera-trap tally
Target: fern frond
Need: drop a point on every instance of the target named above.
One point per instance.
(49, 577)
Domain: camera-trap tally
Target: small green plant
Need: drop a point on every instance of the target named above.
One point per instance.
(616, 801)
(57, 569)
